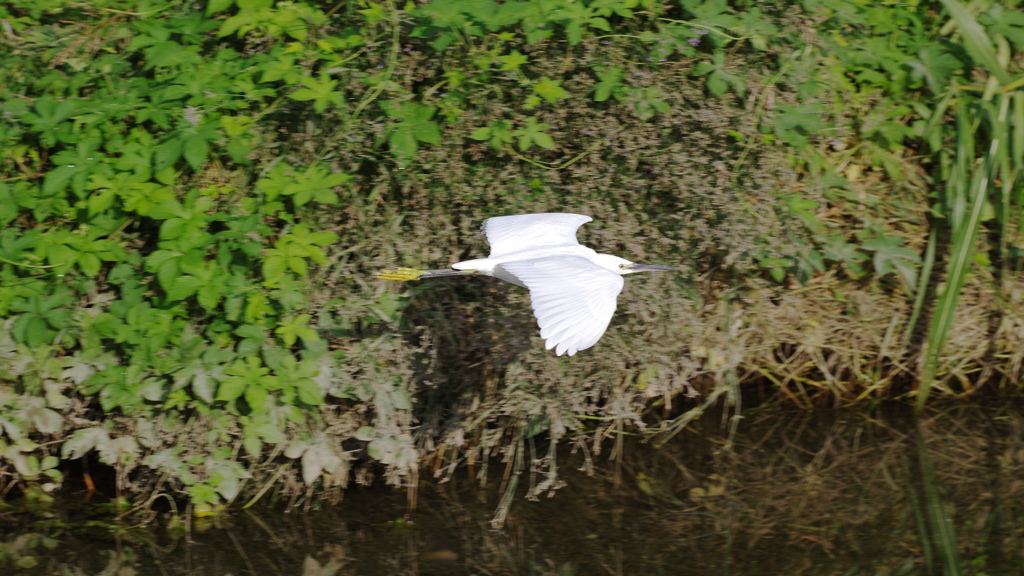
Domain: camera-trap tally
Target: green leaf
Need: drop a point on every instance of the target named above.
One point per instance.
(274, 267)
(196, 149)
(704, 68)
(202, 387)
(647, 101)
(839, 250)
(415, 125)
(513, 60)
(209, 295)
(321, 90)
(891, 255)
(255, 397)
(203, 494)
(89, 264)
(320, 457)
(610, 84)
(309, 392)
(374, 13)
(281, 67)
(1005, 21)
(298, 327)
(403, 145)
(183, 287)
(795, 124)
(533, 133)
(30, 329)
(42, 418)
(803, 208)
(776, 267)
(498, 133)
(316, 184)
(84, 440)
(249, 331)
(935, 65)
(230, 389)
(168, 153)
(98, 202)
(717, 84)
(550, 90)
(976, 40)
(214, 6)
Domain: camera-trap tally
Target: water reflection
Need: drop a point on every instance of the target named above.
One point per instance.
(849, 494)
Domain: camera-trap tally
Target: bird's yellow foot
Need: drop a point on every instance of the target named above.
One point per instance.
(400, 274)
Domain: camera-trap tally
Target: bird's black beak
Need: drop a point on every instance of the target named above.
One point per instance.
(649, 268)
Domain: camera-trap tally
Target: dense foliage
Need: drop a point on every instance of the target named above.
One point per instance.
(194, 198)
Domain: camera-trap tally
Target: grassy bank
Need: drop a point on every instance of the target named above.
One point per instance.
(195, 198)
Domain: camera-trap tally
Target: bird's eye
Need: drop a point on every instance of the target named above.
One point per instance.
(622, 266)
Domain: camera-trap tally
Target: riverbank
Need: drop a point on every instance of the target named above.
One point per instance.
(194, 204)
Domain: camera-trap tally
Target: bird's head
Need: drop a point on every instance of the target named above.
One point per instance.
(622, 266)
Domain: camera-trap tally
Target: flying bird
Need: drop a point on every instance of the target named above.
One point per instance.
(573, 289)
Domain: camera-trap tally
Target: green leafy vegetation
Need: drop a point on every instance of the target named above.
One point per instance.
(193, 201)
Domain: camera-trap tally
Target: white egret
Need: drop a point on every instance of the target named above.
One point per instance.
(573, 289)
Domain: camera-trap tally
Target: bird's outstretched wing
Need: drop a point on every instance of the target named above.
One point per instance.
(573, 299)
(507, 234)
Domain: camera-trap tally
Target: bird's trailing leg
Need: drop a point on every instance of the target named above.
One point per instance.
(407, 274)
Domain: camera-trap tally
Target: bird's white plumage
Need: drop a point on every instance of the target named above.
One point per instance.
(508, 234)
(573, 288)
(573, 299)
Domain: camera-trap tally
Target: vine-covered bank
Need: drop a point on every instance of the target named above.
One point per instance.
(195, 196)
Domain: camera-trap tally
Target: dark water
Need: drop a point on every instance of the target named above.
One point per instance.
(788, 494)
